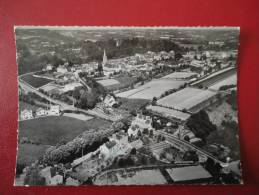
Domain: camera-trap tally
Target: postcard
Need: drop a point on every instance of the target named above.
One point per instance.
(106, 105)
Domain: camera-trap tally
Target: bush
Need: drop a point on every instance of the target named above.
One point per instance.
(200, 124)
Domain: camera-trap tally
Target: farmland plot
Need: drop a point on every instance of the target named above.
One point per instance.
(154, 88)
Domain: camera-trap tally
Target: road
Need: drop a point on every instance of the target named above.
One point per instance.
(184, 144)
(65, 106)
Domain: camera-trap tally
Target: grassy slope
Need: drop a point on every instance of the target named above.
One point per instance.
(51, 130)
(28, 153)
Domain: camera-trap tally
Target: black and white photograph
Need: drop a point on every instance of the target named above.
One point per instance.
(102, 105)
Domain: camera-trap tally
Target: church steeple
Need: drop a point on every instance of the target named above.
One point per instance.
(104, 58)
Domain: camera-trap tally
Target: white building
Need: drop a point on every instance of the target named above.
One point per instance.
(26, 114)
(54, 110)
(48, 67)
(118, 145)
(140, 123)
(41, 112)
(109, 100)
(56, 180)
(61, 69)
(51, 176)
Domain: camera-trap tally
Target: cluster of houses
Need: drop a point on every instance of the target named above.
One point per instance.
(202, 62)
(26, 114)
(54, 176)
(140, 123)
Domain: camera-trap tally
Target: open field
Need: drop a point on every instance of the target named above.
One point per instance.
(232, 80)
(108, 82)
(117, 82)
(180, 75)
(142, 177)
(50, 130)
(28, 153)
(186, 98)
(35, 82)
(131, 104)
(154, 88)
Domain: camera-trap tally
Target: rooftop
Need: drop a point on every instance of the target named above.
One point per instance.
(110, 144)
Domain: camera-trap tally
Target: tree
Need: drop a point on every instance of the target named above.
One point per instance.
(151, 133)
(154, 101)
(178, 56)
(187, 138)
(76, 94)
(190, 156)
(143, 160)
(200, 124)
(145, 131)
(139, 133)
(100, 69)
(133, 151)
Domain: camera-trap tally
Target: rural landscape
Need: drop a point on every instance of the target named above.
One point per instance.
(127, 106)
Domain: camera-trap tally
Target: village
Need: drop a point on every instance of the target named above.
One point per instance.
(155, 113)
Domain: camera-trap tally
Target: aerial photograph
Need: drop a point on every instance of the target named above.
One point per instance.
(127, 106)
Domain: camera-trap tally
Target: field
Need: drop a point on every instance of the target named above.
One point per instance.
(186, 98)
(35, 82)
(142, 177)
(131, 104)
(180, 75)
(232, 80)
(50, 130)
(154, 88)
(108, 82)
(117, 83)
(28, 153)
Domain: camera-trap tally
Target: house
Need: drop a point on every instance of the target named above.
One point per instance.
(118, 145)
(56, 180)
(48, 67)
(72, 182)
(26, 114)
(140, 123)
(109, 100)
(41, 112)
(51, 176)
(54, 110)
(61, 69)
